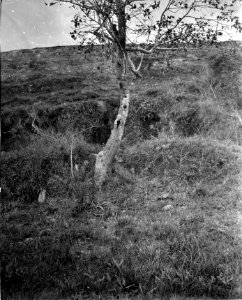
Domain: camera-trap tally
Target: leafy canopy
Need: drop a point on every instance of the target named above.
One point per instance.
(152, 22)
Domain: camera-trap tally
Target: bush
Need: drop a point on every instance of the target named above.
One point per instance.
(225, 68)
(193, 159)
(26, 172)
(16, 128)
(197, 118)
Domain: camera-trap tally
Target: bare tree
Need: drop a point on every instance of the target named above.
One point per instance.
(131, 26)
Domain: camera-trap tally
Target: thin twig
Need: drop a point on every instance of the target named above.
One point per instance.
(72, 173)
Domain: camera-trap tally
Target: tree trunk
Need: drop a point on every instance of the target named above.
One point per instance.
(105, 157)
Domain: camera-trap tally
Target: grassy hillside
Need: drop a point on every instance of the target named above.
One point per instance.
(170, 231)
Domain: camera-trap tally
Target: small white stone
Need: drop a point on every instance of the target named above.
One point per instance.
(167, 207)
(166, 196)
(42, 196)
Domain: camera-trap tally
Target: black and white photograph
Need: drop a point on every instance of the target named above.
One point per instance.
(121, 150)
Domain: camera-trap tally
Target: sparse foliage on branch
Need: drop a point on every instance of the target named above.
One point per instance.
(170, 22)
(157, 25)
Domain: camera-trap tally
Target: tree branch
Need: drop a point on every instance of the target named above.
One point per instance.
(133, 69)
(139, 49)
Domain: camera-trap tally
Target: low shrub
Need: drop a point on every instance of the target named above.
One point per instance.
(196, 118)
(44, 164)
(225, 72)
(191, 159)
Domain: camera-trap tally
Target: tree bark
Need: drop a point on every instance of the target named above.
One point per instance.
(105, 157)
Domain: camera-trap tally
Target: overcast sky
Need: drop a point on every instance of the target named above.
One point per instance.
(30, 23)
